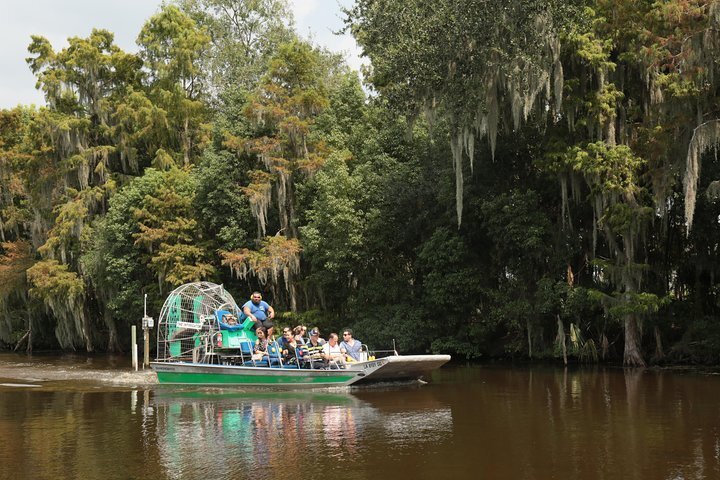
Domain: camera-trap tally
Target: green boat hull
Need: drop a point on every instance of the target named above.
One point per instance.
(387, 369)
(180, 373)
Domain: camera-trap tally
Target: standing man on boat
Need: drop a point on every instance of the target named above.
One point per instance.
(260, 312)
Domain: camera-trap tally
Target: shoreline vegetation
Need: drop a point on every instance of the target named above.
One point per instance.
(525, 180)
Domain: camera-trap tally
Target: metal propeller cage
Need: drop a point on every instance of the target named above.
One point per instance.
(189, 319)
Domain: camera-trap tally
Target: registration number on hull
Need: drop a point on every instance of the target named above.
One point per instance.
(372, 364)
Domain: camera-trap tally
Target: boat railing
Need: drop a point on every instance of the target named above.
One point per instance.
(384, 353)
(300, 356)
(207, 350)
(373, 354)
(273, 359)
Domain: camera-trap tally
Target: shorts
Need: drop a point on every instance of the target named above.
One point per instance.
(267, 323)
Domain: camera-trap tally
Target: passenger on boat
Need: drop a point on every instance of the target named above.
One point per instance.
(281, 340)
(350, 347)
(260, 312)
(314, 348)
(290, 347)
(315, 343)
(229, 322)
(299, 333)
(331, 352)
(261, 344)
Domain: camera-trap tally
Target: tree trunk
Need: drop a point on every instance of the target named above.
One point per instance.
(113, 344)
(560, 339)
(659, 354)
(529, 337)
(29, 347)
(186, 141)
(605, 346)
(86, 332)
(293, 298)
(28, 335)
(292, 215)
(22, 339)
(632, 356)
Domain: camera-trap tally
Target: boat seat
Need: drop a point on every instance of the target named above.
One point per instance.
(274, 355)
(246, 346)
(220, 315)
(258, 363)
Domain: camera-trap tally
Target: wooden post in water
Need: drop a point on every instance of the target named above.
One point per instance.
(146, 348)
(133, 332)
(147, 324)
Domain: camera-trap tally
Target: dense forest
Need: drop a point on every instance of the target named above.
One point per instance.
(520, 179)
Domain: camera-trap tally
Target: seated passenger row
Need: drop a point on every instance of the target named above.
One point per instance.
(313, 351)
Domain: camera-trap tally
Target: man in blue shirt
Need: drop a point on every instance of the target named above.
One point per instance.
(350, 347)
(282, 339)
(260, 312)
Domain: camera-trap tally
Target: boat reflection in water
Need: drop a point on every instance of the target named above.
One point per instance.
(277, 433)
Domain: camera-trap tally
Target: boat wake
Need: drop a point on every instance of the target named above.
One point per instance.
(68, 374)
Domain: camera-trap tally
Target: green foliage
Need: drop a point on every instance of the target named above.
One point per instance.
(584, 350)
(449, 282)
(424, 53)
(608, 169)
(619, 305)
(148, 241)
(336, 227)
(221, 203)
(526, 235)
(228, 149)
(345, 112)
(171, 45)
(63, 292)
(588, 43)
(244, 35)
(699, 344)
(169, 231)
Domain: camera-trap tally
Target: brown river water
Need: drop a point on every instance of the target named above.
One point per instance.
(72, 417)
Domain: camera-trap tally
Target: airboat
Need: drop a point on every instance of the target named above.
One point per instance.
(204, 338)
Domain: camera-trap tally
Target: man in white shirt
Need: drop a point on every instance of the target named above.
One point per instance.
(331, 351)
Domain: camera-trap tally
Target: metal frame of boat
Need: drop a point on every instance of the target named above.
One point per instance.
(196, 347)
